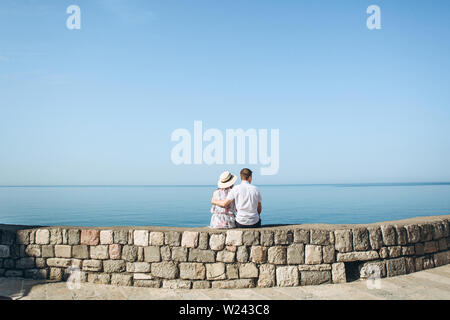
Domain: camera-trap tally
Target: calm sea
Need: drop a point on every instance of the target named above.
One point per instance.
(188, 206)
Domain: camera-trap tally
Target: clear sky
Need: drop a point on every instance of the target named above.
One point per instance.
(98, 105)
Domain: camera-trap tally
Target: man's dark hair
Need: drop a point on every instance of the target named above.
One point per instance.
(245, 174)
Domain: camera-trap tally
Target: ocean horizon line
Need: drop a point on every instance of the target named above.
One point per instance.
(357, 184)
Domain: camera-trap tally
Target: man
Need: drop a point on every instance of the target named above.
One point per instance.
(247, 200)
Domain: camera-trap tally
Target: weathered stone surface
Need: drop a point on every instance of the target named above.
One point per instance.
(42, 236)
(314, 267)
(248, 270)
(242, 254)
(395, 267)
(90, 237)
(419, 249)
(441, 258)
(426, 231)
(413, 233)
(140, 267)
(179, 254)
(217, 241)
(428, 262)
(56, 274)
(120, 236)
(152, 254)
(395, 251)
(343, 239)
(176, 284)
(389, 235)
(40, 263)
(383, 252)
(233, 284)
(203, 239)
(338, 272)
(267, 238)
(313, 254)
(430, 247)
(140, 238)
(106, 237)
(372, 270)
(37, 274)
(192, 271)
(121, 279)
(198, 255)
(250, 238)
(115, 251)
(63, 251)
(140, 257)
(166, 254)
(231, 248)
(157, 239)
(287, 276)
(4, 251)
(165, 269)
(25, 263)
(215, 271)
(147, 283)
(408, 251)
(190, 239)
(31, 250)
(282, 237)
(320, 237)
(328, 254)
(73, 237)
(92, 265)
(225, 256)
(58, 262)
(234, 238)
(402, 236)
(129, 253)
(301, 236)
(23, 236)
(419, 263)
(308, 278)
(142, 276)
(296, 253)
(277, 255)
(266, 276)
(375, 238)
(232, 271)
(172, 238)
(442, 244)
(361, 239)
(258, 254)
(56, 236)
(201, 285)
(112, 266)
(99, 278)
(47, 251)
(357, 256)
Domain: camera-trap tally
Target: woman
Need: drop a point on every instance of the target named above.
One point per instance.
(223, 218)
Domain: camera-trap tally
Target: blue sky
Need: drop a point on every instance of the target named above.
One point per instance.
(98, 105)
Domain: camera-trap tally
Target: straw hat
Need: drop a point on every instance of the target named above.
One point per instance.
(226, 180)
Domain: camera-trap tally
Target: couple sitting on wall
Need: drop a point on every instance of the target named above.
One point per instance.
(236, 207)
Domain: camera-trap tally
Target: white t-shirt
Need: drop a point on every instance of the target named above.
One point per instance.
(246, 198)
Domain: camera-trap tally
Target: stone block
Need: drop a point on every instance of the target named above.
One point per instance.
(338, 274)
(225, 256)
(23, 236)
(63, 251)
(413, 234)
(277, 255)
(172, 238)
(328, 254)
(320, 237)
(120, 236)
(59, 262)
(426, 231)
(361, 239)
(106, 237)
(441, 258)
(25, 263)
(442, 244)
(129, 253)
(301, 236)
(152, 254)
(287, 276)
(56, 274)
(419, 249)
(4, 251)
(233, 284)
(114, 266)
(142, 276)
(190, 239)
(217, 241)
(266, 276)
(92, 265)
(192, 271)
(313, 254)
(73, 237)
(99, 278)
(372, 270)
(176, 284)
(215, 271)
(147, 283)
(283, 237)
(47, 251)
(121, 280)
(309, 278)
(248, 270)
(250, 238)
(402, 235)
(242, 254)
(140, 267)
(357, 256)
(430, 247)
(232, 271)
(179, 254)
(375, 238)
(33, 250)
(201, 285)
(56, 236)
(198, 255)
(258, 254)
(90, 237)
(165, 270)
(203, 238)
(42, 236)
(395, 251)
(389, 235)
(157, 239)
(234, 238)
(296, 253)
(140, 238)
(115, 251)
(408, 250)
(395, 267)
(267, 238)
(343, 239)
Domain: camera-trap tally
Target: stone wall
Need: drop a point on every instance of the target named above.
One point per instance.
(240, 258)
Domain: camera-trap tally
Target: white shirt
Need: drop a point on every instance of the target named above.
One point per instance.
(246, 198)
